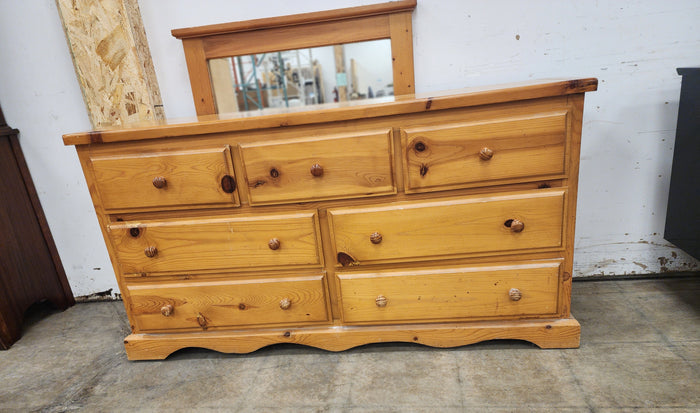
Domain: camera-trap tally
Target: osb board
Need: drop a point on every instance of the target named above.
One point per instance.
(112, 60)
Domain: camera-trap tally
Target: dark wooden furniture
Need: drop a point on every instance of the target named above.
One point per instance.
(30, 269)
(683, 210)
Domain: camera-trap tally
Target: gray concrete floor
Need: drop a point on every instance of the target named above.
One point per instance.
(640, 350)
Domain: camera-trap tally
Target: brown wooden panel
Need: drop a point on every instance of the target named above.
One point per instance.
(333, 112)
(448, 227)
(216, 243)
(458, 153)
(545, 333)
(351, 166)
(443, 294)
(296, 37)
(200, 82)
(210, 304)
(191, 177)
(401, 28)
(30, 268)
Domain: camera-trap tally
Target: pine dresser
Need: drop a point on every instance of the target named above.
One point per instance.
(443, 219)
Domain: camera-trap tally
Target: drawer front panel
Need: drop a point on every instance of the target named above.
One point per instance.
(216, 243)
(322, 168)
(478, 152)
(211, 304)
(448, 227)
(451, 293)
(166, 179)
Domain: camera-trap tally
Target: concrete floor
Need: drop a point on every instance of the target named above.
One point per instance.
(640, 349)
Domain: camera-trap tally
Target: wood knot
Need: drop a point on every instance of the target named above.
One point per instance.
(423, 169)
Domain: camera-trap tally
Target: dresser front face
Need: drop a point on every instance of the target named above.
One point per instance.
(450, 216)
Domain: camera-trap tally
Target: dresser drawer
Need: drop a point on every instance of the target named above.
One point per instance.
(476, 153)
(242, 302)
(526, 289)
(188, 178)
(448, 227)
(216, 243)
(330, 167)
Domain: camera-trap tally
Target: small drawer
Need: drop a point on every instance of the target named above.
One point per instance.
(447, 294)
(448, 227)
(330, 167)
(242, 302)
(477, 153)
(216, 243)
(187, 178)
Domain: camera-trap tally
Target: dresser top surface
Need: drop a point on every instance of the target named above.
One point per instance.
(330, 112)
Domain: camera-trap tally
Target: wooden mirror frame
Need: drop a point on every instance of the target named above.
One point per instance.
(355, 24)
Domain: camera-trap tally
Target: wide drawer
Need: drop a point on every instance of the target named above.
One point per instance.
(188, 178)
(264, 240)
(476, 153)
(447, 227)
(329, 167)
(242, 302)
(526, 289)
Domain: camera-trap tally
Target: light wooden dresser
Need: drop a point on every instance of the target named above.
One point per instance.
(442, 220)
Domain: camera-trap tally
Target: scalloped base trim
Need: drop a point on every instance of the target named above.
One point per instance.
(551, 333)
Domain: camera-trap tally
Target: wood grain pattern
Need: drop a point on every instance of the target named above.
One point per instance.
(547, 333)
(401, 29)
(444, 294)
(198, 71)
(192, 177)
(296, 37)
(234, 303)
(450, 155)
(334, 112)
(576, 123)
(467, 248)
(449, 227)
(352, 165)
(217, 243)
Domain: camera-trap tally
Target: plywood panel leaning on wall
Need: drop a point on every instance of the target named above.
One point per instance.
(112, 60)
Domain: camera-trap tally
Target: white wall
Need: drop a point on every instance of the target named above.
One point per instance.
(633, 47)
(40, 96)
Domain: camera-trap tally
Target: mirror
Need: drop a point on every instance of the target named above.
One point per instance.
(316, 57)
(302, 77)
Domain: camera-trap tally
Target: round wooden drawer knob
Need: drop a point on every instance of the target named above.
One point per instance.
(285, 303)
(166, 310)
(316, 170)
(159, 182)
(376, 238)
(151, 251)
(515, 294)
(517, 225)
(274, 244)
(381, 301)
(486, 153)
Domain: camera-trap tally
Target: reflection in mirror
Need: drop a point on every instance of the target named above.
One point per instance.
(302, 77)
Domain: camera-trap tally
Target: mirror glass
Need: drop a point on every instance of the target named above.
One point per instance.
(302, 77)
